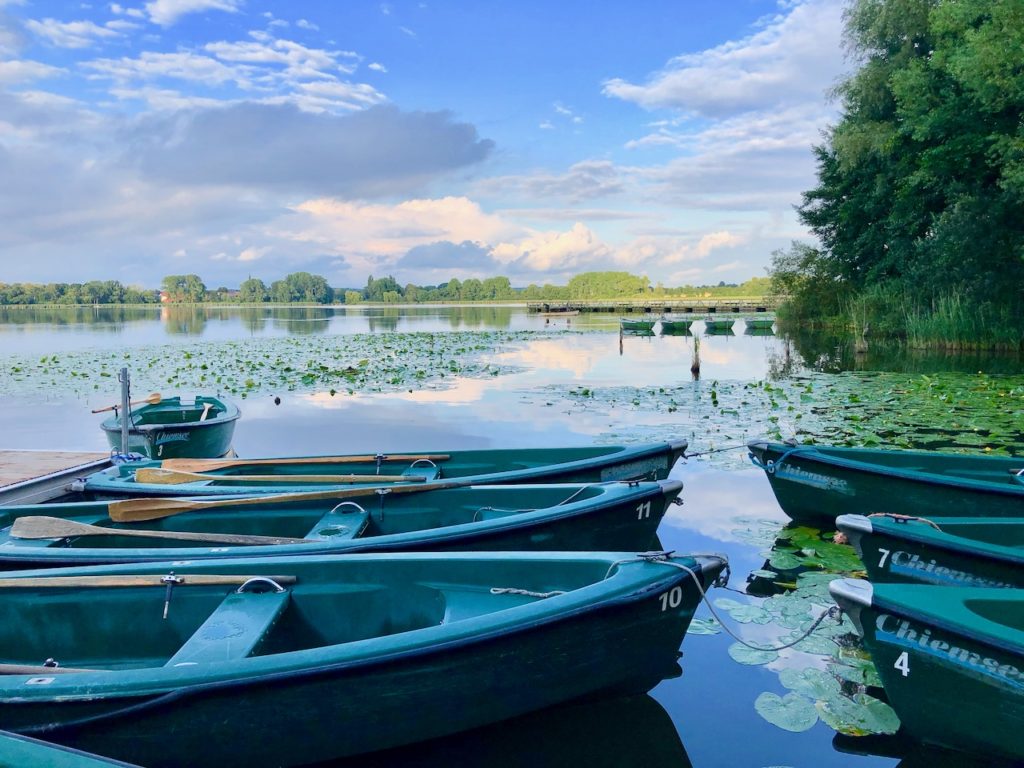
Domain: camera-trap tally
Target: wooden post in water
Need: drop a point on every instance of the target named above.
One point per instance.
(125, 406)
(695, 365)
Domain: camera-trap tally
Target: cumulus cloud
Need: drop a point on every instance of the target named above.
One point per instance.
(166, 13)
(74, 34)
(16, 72)
(465, 256)
(792, 59)
(555, 252)
(586, 180)
(379, 151)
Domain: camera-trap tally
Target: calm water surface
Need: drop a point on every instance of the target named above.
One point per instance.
(706, 716)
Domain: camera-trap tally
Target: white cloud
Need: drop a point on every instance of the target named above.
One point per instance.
(166, 13)
(304, 24)
(120, 10)
(16, 72)
(180, 66)
(795, 57)
(586, 180)
(377, 67)
(556, 252)
(74, 34)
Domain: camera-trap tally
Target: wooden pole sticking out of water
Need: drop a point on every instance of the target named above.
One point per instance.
(695, 365)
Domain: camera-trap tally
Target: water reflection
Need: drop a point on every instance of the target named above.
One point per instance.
(301, 321)
(611, 732)
(909, 753)
(774, 352)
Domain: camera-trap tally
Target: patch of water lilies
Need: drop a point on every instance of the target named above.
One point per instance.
(334, 364)
(827, 674)
(949, 411)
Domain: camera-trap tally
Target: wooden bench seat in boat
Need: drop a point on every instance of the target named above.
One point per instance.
(234, 630)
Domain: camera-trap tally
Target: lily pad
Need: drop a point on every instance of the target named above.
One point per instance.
(704, 627)
(791, 712)
(811, 682)
(860, 715)
(751, 656)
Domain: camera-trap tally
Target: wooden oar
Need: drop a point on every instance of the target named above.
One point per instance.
(205, 465)
(171, 477)
(42, 527)
(206, 411)
(146, 580)
(139, 510)
(151, 400)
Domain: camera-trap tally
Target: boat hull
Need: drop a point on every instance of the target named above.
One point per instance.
(915, 552)
(471, 467)
(637, 325)
(951, 685)
(619, 516)
(819, 485)
(476, 674)
(172, 429)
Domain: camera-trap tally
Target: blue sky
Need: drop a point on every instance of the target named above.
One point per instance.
(419, 139)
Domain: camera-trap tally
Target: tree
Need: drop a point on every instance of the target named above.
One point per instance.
(353, 297)
(181, 288)
(921, 182)
(252, 291)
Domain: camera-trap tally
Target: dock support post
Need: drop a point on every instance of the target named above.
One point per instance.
(125, 408)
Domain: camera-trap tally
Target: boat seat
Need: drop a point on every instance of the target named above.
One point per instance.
(428, 472)
(345, 521)
(234, 630)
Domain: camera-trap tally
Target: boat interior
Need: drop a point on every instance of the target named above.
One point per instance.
(364, 516)
(106, 627)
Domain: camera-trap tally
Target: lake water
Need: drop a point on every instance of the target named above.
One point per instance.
(342, 380)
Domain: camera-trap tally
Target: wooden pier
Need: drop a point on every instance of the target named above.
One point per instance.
(739, 305)
(31, 477)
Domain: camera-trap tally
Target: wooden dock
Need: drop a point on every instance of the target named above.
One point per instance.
(30, 477)
(739, 305)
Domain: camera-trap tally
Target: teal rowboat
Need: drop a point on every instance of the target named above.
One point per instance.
(599, 516)
(636, 325)
(580, 464)
(21, 751)
(818, 483)
(286, 661)
(951, 660)
(758, 323)
(954, 551)
(677, 326)
(201, 427)
(718, 326)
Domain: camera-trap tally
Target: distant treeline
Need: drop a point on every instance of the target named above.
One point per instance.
(303, 287)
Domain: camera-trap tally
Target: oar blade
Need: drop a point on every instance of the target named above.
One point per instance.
(43, 527)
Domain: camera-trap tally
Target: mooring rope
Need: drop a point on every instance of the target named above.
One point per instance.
(835, 611)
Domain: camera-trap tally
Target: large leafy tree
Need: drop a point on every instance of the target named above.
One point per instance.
(920, 183)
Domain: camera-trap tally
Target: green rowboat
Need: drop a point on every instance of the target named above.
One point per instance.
(599, 516)
(676, 326)
(758, 323)
(286, 661)
(955, 551)
(818, 483)
(579, 464)
(951, 660)
(201, 427)
(723, 326)
(636, 325)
